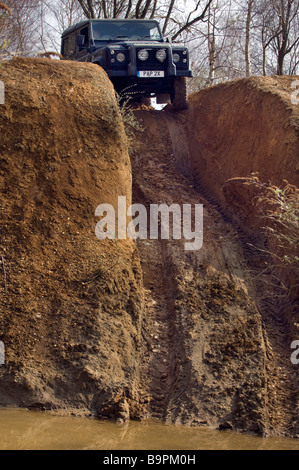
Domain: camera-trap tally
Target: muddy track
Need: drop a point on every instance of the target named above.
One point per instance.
(172, 361)
(162, 356)
(189, 338)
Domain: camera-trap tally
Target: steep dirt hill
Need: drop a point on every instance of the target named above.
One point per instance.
(70, 303)
(119, 329)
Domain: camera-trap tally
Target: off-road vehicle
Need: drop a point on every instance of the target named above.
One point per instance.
(139, 61)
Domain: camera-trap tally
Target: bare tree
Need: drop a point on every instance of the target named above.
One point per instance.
(267, 35)
(211, 43)
(287, 11)
(227, 38)
(174, 20)
(19, 32)
(250, 4)
(216, 46)
(278, 26)
(217, 29)
(192, 18)
(65, 12)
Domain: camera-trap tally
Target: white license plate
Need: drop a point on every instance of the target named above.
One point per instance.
(150, 73)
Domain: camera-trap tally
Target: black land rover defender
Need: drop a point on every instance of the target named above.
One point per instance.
(138, 60)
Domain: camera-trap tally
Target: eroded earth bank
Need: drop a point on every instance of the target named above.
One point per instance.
(121, 329)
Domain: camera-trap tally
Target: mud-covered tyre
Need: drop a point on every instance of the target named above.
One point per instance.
(163, 98)
(145, 100)
(179, 97)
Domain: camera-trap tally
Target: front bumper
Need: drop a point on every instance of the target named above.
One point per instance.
(133, 65)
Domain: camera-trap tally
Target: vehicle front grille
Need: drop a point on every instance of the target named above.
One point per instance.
(152, 63)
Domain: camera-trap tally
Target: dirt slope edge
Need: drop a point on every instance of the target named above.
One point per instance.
(244, 143)
(230, 131)
(243, 127)
(71, 305)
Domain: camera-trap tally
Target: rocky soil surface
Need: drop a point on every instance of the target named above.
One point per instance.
(124, 329)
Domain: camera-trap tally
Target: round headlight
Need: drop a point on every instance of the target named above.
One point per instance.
(143, 54)
(176, 57)
(161, 55)
(120, 57)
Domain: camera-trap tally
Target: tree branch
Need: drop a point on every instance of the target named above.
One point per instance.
(190, 23)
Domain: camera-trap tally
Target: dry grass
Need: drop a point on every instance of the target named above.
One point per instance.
(279, 213)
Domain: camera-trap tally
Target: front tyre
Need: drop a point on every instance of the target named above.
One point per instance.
(179, 95)
(145, 100)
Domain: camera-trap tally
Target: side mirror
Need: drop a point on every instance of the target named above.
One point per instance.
(80, 40)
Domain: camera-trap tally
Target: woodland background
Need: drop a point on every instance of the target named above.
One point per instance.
(227, 39)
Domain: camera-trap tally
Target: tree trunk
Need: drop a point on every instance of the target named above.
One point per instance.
(247, 41)
(211, 46)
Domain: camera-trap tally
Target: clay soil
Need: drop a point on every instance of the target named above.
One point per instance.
(213, 339)
(119, 329)
(70, 303)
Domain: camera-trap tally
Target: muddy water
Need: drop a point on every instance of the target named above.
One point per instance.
(20, 429)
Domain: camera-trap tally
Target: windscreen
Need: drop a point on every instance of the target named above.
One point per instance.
(125, 30)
